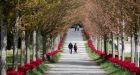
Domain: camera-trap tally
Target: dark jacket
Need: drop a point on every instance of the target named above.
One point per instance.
(75, 47)
(70, 46)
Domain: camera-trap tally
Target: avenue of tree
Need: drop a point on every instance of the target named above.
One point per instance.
(113, 20)
(32, 21)
(36, 24)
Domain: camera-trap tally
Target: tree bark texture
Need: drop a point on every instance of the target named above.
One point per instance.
(136, 50)
(15, 44)
(23, 48)
(113, 49)
(37, 45)
(3, 45)
(118, 48)
(27, 41)
(105, 44)
(34, 45)
(122, 43)
(44, 45)
(132, 48)
(4, 24)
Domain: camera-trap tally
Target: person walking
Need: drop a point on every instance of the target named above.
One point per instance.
(75, 48)
(78, 27)
(70, 46)
(75, 27)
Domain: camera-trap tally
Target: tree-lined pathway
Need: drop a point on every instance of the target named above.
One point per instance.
(75, 64)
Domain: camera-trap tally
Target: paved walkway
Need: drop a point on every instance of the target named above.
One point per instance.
(76, 63)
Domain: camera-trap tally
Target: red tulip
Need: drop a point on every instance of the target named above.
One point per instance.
(125, 64)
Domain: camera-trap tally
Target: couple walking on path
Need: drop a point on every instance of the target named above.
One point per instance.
(70, 46)
(77, 27)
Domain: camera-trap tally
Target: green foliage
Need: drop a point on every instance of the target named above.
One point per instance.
(47, 15)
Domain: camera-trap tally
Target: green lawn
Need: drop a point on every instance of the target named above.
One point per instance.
(9, 58)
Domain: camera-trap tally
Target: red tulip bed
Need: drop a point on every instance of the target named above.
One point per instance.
(126, 64)
(33, 64)
(60, 43)
(26, 67)
(51, 55)
(54, 52)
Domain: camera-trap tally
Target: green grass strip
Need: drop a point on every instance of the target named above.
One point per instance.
(84, 37)
(54, 59)
(109, 67)
(40, 70)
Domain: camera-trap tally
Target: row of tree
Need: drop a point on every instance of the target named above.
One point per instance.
(113, 20)
(32, 21)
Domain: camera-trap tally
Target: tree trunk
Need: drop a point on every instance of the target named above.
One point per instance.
(100, 48)
(52, 43)
(101, 44)
(118, 48)
(34, 45)
(4, 24)
(15, 44)
(44, 45)
(113, 49)
(3, 45)
(58, 37)
(23, 47)
(27, 41)
(132, 48)
(37, 45)
(122, 41)
(55, 43)
(91, 38)
(105, 46)
(136, 50)
(96, 43)
(53, 39)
